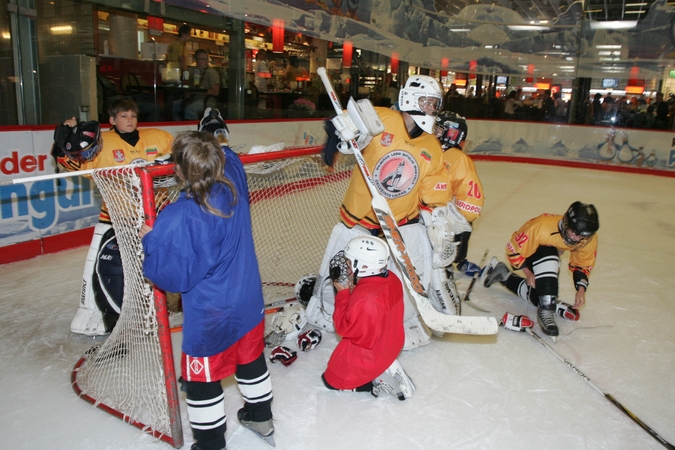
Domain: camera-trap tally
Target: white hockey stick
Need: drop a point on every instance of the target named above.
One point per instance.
(435, 320)
(609, 397)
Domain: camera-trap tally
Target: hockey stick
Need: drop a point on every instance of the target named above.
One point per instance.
(473, 281)
(609, 397)
(434, 319)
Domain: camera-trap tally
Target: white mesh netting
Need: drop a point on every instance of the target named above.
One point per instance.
(294, 206)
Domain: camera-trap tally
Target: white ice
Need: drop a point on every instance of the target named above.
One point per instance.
(502, 392)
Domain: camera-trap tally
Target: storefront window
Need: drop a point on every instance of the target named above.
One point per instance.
(495, 62)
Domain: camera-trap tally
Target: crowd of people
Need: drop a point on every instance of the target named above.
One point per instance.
(434, 193)
(637, 111)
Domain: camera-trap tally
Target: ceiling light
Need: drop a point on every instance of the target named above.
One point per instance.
(528, 28)
(613, 24)
(64, 29)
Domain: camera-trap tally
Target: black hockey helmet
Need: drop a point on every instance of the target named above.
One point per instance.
(582, 220)
(451, 129)
(80, 143)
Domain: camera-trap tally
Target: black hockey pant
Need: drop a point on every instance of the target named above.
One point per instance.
(206, 403)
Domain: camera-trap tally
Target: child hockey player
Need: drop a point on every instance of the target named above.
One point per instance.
(450, 201)
(202, 247)
(464, 190)
(536, 247)
(369, 317)
(79, 146)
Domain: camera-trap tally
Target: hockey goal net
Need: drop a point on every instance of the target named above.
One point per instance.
(294, 201)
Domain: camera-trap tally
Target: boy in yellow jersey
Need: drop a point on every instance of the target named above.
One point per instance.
(125, 144)
(535, 249)
(450, 201)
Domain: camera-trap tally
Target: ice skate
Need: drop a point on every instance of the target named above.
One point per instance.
(264, 430)
(494, 272)
(395, 381)
(546, 319)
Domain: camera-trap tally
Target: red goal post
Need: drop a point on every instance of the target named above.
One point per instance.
(294, 200)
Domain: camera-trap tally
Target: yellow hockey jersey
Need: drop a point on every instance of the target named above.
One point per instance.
(397, 164)
(459, 181)
(152, 143)
(543, 230)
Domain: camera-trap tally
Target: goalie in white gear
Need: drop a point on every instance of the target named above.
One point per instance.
(369, 317)
(399, 158)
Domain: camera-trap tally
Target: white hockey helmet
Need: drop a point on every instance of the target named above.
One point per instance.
(422, 98)
(368, 255)
(290, 321)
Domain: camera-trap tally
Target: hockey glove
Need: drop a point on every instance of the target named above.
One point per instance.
(516, 323)
(309, 340)
(283, 354)
(566, 311)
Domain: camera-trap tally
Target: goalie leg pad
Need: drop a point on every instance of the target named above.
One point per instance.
(443, 297)
(416, 333)
(108, 281)
(88, 319)
(419, 249)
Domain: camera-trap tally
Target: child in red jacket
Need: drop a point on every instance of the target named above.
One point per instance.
(369, 317)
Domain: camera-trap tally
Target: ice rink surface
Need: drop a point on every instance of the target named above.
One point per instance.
(501, 392)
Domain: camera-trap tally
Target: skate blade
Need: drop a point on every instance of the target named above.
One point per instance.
(269, 439)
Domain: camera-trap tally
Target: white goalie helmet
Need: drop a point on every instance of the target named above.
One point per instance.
(290, 321)
(368, 255)
(422, 98)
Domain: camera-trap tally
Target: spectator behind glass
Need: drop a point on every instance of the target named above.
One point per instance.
(176, 53)
(191, 107)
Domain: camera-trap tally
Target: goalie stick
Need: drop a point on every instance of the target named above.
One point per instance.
(473, 281)
(609, 397)
(435, 320)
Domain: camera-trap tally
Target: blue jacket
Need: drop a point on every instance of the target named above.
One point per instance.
(211, 261)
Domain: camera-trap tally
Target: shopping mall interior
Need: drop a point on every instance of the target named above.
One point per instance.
(64, 58)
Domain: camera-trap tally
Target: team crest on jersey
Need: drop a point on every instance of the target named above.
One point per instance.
(118, 155)
(396, 174)
(386, 139)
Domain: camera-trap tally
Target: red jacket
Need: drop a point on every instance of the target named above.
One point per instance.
(370, 321)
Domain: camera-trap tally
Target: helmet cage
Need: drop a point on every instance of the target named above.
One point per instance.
(290, 321)
(422, 98)
(80, 143)
(581, 220)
